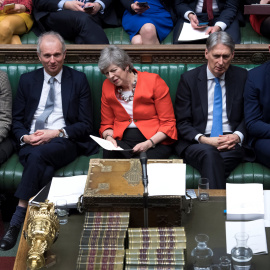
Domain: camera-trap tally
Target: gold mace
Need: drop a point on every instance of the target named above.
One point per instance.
(42, 231)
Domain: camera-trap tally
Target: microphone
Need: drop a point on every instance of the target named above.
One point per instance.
(143, 160)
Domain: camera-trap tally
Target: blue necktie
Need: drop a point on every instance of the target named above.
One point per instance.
(40, 122)
(217, 111)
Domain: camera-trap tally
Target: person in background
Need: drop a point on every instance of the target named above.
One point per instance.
(15, 21)
(260, 23)
(51, 123)
(150, 23)
(220, 15)
(136, 108)
(6, 145)
(79, 21)
(257, 111)
(209, 109)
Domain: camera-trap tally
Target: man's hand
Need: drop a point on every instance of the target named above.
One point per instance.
(41, 136)
(138, 9)
(212, 29)
(142, 147)
(209, 140)
(227, 142)
(93, 11)
(223, 142)
(73, 5)
(194, 21)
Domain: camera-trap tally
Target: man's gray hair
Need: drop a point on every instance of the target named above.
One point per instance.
(53, 34)
(220, 37)
(112, 55)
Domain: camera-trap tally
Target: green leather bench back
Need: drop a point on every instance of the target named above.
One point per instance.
(11, 171)
(171, 73)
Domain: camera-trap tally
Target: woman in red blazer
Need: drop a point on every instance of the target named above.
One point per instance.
(136, 108)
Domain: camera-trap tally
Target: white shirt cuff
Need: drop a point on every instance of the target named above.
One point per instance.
(222, 25)
(241, 136)
(186, 14)
(197, 137)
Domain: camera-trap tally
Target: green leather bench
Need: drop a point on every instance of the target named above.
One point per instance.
(11, 171)
(118, 36)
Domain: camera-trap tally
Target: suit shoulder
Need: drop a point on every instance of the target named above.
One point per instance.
(31, 74)
(260, 69)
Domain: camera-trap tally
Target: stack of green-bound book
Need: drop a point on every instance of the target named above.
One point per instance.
(102, 244)
(156, 248)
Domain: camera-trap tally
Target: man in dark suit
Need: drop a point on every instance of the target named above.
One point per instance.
(49, 135)
(211, 97)
(257, 111)
(74, 20)
(221, 15)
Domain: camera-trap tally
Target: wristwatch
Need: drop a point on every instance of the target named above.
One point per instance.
(61, 133)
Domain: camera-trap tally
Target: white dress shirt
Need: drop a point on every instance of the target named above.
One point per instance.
(226, 127)
(56, 118)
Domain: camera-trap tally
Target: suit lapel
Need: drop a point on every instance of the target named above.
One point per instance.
(230, 84)
(66, 90)
(202, 89)
(36, 92)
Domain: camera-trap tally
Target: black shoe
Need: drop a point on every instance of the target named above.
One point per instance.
(10, 238)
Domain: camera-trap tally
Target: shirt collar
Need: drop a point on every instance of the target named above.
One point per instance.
(210, 75)
(58, 77)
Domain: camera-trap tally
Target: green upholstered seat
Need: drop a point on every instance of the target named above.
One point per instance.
(11, 171)
(118, 36)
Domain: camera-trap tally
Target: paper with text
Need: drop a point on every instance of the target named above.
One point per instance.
(68, 188)
(244, 201)
(256, 231)
(166, 179)
(106, 144)
(266, 208)
(188, 33)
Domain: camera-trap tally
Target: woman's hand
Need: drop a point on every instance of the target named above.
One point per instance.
(142, 147)
(112, 140)
(264, 2)
(18, 8)
(138, 9)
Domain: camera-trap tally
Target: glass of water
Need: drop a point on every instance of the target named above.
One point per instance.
(62, 211)
(203, 189)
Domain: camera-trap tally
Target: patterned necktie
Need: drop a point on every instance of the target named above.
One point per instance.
(40, 122)
(208, 7)
(217, 111)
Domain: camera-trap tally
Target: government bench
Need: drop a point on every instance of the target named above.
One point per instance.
(118, 36)
(11, 171)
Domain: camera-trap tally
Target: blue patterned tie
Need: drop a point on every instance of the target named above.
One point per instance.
(217, 111)
(40, 122)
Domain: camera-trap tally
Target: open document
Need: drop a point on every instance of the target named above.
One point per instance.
(256, 231)
(188, 33)
(68, 188)
(166, 179)
(107, 144)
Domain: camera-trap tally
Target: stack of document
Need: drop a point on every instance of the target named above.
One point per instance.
(245, 203)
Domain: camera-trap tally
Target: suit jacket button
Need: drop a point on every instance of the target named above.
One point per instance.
(129, 120)
(134, 120)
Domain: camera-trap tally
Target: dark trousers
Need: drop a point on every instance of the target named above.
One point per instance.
(213, 164)
(40, 163)
(262, 150)
(78, 26)
(6, 149)
(233, 30)
(133, 136)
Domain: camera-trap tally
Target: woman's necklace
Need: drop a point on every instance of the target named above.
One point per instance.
(130, 97)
